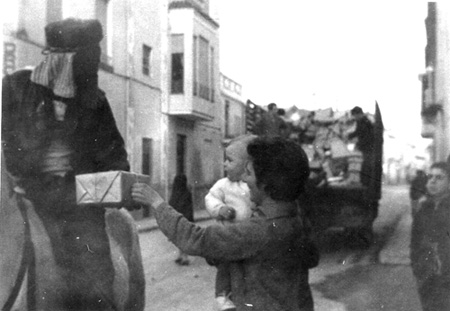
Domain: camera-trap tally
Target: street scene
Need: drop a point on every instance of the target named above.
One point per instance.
(225, 155)
(349, 277)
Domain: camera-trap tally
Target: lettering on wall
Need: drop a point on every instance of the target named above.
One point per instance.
(9, 58)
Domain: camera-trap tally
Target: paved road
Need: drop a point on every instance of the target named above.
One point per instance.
(171, 287)
(348, 277)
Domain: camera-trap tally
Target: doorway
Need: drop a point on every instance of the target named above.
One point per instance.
(181, 154)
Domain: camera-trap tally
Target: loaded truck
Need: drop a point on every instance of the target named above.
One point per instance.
(335, 197)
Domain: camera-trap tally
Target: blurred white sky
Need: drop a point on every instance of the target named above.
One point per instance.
(320, 54)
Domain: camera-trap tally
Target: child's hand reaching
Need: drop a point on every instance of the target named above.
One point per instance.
(227, 213)
(144, 194)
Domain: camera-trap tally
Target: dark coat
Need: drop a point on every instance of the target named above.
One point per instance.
(269, 125)
(430, 240)
(268, 266)
(27, 121)
(418, 186)
(365, 134)
(430, 253)
(181, 198)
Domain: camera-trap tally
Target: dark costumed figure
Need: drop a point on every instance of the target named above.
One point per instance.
(56, 124)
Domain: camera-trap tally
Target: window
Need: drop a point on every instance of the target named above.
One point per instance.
(87, 9)
(146, 58)
(203, 69)
(177, 74)
(103, 12)
(211, 66)
(227, 118)
(195, 66)
(77, 9)
(146, 155)
(146, 165)
(54, 10)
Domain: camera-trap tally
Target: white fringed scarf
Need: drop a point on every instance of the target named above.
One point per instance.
(56, 73)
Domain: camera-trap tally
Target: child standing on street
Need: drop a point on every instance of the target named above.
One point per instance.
(228, 201)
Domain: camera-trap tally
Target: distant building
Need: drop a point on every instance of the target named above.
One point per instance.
(234, 106)
(436, 80)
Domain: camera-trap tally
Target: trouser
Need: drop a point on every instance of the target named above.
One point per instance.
(367, 169)
(223, 279)
(79, 241)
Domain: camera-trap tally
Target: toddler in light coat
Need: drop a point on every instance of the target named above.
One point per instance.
(228, 201)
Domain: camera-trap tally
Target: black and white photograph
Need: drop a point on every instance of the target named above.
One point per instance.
(225, 155)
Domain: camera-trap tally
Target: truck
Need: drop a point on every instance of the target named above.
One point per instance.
(335, 198)
(341, 201)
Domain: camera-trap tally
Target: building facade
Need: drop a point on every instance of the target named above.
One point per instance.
(436, 81)
(194, 108)
(234, 108)
(160, 71)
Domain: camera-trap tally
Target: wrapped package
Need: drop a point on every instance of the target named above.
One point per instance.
(107, 189)
(338, 148)
(354, 167)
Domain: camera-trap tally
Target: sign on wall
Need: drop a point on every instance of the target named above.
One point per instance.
(9, 58)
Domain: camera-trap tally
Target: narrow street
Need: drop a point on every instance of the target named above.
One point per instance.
(378, 278)
(348, 277)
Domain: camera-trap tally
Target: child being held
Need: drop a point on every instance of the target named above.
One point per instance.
(228, 201)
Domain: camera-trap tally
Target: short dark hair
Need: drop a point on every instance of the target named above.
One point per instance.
(271, 106)
(281, 167)
(443, 166)
(356, 110)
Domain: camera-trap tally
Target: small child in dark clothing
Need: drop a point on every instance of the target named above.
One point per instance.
(181, 201)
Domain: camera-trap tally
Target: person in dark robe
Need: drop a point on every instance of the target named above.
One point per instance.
(270, 124)
(56, 124)
(364, 133)
(181, 201)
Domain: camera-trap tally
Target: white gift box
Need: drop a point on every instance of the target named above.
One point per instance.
(107, 189)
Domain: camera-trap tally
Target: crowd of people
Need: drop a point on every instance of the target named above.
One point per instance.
(56, 124)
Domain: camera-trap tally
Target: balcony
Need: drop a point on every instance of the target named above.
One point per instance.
(187, 106)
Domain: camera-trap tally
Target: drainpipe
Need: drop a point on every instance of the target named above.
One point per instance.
(129, 107)
(165, 98)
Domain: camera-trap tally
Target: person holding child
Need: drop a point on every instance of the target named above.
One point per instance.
(267, 254)
(228, 201)
(430, 242)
